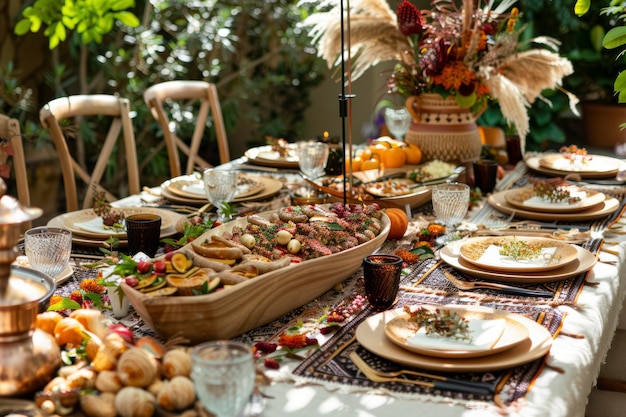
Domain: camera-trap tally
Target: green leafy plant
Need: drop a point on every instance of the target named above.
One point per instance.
(92, 20)
(613, 39)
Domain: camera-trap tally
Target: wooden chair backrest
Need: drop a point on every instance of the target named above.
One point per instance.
(11, 147)
(71, 107)
(157, 97)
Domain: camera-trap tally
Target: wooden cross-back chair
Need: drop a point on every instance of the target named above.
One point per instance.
(11, 147)
(157, 98)
(80, 106)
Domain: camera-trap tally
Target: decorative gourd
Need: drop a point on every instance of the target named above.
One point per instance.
(176, 362)
(399, 223)
(413, 154)
(135, 402)
(137, 368)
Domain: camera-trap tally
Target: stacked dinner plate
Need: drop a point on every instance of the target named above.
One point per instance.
(526, 204)
(88, 230)
(268, 156)
(496, 340)
(189, 189)
(518, 259)
(585, 166)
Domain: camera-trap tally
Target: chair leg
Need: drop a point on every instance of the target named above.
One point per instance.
(611, 384)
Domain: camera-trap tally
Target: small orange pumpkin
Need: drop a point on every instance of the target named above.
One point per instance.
(413, 154)
(399, 222)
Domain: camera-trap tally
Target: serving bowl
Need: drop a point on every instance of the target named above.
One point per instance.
(253, 303)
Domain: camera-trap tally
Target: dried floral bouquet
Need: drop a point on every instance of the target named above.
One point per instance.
(473, 52)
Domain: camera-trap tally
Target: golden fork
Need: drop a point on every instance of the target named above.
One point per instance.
(439, 383)
(507, 289)
(374, 376)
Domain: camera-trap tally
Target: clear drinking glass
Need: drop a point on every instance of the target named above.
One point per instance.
(312, 158)
(398, 120)
(223, 375)
(220, 187)
(450, 202)
(48, 249)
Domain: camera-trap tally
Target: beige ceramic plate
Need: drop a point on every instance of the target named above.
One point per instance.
(597, 164)
(59, 221)
(484, 253)
(584, 261)
(265, 156)
(523, 198)
(270, 187)
(534, 164)
(59, 279)
(190, 186)
(400, 330)
(371, 335)
(608, 206)
(72, 221)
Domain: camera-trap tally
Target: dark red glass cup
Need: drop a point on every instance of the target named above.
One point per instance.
(485, 175)
(381, 275)
(144, 233)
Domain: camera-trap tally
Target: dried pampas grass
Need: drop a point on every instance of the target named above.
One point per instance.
(535, 70)
(374, 35)
(520, 80)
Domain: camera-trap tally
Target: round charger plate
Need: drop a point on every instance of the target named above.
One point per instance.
(597, 164)
(60, 278)
(191, 186)
(371, 335)
(399, 330)
(584, 261)
(270, 187)
(59, 221)
(520, 198)
(608, 206)
(77, 221)
(534, 164)
(265, 156)
(473, 251)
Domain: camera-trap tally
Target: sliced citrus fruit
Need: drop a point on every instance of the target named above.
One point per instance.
(213, 284)
(179, 262)
(187, 284)
(145, 282)
(158, 283)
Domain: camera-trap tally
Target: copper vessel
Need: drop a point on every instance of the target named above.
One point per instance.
(28, 356)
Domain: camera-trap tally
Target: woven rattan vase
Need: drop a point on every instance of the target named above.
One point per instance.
(442, 129)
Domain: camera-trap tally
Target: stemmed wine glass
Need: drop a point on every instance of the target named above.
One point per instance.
(450, 202)
(220, 187)
(398, 120)
(223, 375)
(312, 158)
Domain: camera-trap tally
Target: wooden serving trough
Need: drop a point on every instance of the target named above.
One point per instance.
(243, 307)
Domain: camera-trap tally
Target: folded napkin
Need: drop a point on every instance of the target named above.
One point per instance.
(540, 202)
(484, 335)
(492, 257)
(96, 225)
